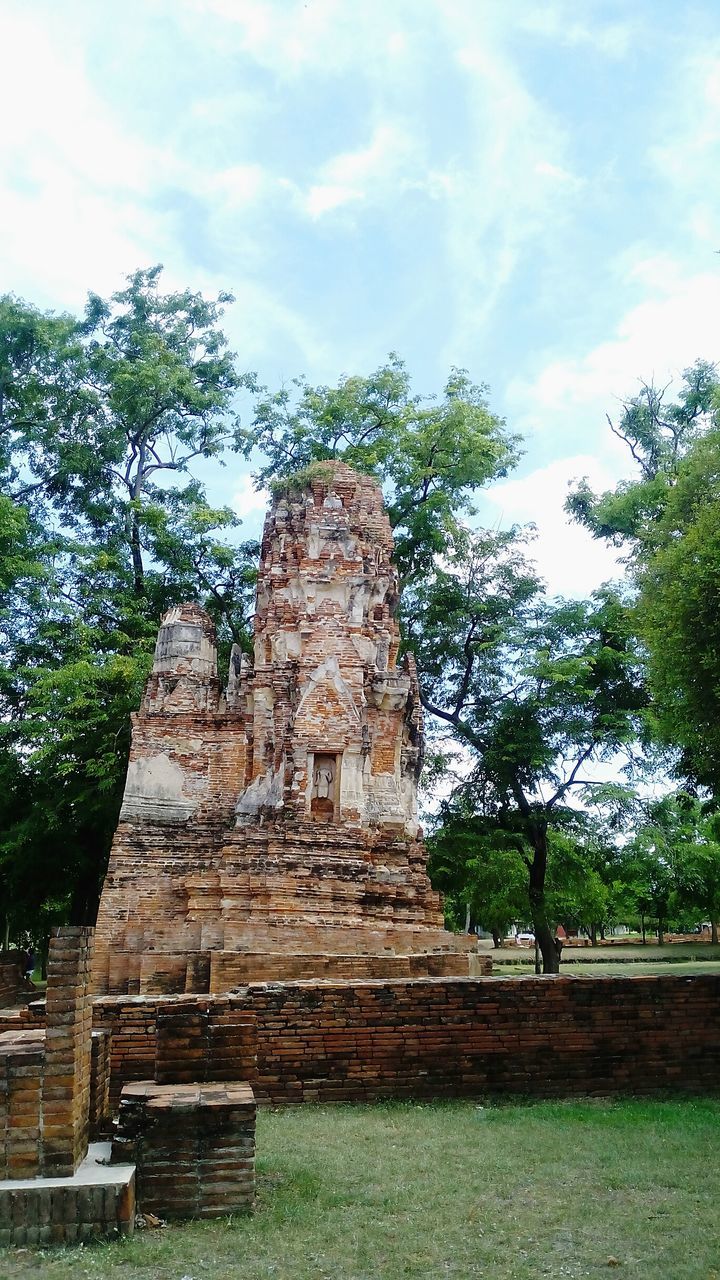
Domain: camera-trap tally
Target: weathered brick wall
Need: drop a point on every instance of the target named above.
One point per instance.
(100, 1116)
(176, 1039)
(26, 1017)
(68, 1051)
(45, 1074)
(22, 1059)
(59, 1212)
(193, 1146)
(199, 1045)
(12, 985)
(447, 1037)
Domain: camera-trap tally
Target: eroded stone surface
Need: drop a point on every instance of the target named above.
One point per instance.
(277, 818)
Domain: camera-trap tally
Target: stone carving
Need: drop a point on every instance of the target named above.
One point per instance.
(288, 801)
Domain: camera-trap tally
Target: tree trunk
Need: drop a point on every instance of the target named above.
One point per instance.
(660, 932)
(642, 928)
(136, 552)
(496, 938)
(135, 545)
(714, 932)
(593, 935)
(543, 933)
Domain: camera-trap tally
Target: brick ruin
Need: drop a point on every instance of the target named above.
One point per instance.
(54, 1096)
(184, 1141)
(190, 1131)
(269, 828)
(45, 1072)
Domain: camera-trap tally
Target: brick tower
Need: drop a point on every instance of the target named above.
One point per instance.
(269, 830)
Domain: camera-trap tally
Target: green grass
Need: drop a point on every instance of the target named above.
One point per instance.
(615, 969)
(449, 1190)
(634, 960)
(670, 953)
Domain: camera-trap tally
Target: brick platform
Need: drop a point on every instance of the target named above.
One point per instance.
(193, 1146)
(452, 1037)
(97, 1201)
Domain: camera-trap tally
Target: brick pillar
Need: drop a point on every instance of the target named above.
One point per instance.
(66, 1087)
(21, 1066)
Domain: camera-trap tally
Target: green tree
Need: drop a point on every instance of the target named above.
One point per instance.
(479, 869)
(680, 840)
(429, 455)
(579, 892)
(104, 523)
(697, 875)
(667, 519)
(535, 691)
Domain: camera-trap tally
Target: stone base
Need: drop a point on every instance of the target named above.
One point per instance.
(97, 1201)
(193, 1144)
(230, 969)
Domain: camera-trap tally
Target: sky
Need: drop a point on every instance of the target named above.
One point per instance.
(529, 189)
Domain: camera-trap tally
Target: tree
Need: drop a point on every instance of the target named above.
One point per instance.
(579, 860)
(478, 868)
(668, 520)
(535, 690)
(430, 456)
(698, 875)
(103, 525)
(679, 840)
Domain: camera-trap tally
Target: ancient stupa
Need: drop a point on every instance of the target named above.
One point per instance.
(269, 829)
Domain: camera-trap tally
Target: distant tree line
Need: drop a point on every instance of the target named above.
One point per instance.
(107, 422)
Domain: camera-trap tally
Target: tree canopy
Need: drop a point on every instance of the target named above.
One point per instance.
(667, 519)
(535, 690)
(104, 524)
(430, 455)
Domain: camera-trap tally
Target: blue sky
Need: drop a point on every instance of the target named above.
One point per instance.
(527, 189)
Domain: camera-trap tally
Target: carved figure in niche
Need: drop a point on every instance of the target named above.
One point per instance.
(322, 797)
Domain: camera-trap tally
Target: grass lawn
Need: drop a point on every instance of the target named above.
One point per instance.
(682, 959)
(614, 969)
(670, 954)
(449, 1190)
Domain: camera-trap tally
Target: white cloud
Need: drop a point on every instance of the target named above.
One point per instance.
(71, 191)
(690, 132)
(556, 173)
(371, 171)
(513, 186)
(654, 340)
(293, 37)
(571, 562)
(57, 120)
(247, 500)
(559, 22)
(239, 185)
